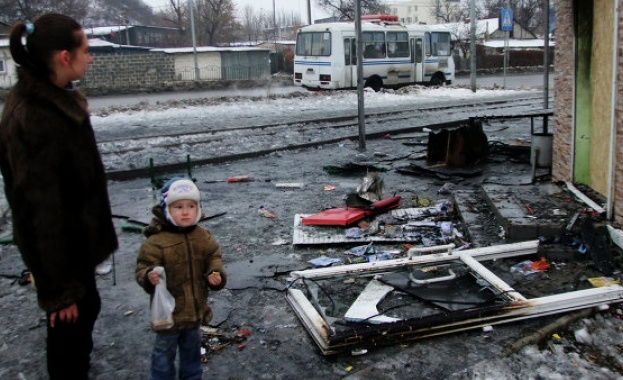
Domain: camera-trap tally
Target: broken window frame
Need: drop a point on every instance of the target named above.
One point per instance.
(368, 334)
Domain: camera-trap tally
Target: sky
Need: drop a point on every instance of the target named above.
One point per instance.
(297, 6)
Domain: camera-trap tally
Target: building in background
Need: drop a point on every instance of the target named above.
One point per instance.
(136, 35)
(417, 11)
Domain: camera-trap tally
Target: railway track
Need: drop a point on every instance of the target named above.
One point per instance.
(127, 153)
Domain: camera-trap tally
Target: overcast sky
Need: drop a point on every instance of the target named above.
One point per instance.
(297, 6)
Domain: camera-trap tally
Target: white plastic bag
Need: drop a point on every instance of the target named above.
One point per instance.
(162, 304)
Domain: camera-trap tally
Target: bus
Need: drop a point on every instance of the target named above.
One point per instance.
(394, 55)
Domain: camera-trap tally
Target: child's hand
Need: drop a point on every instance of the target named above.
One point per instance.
(153, 277)
(214, 279)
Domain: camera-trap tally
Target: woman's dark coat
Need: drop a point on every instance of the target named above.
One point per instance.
(56, 187)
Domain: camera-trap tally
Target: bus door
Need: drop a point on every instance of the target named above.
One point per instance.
(417, 58)
(350, 62)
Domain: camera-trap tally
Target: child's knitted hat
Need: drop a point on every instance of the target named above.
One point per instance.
(176, 189)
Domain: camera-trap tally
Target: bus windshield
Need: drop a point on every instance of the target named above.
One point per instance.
(440, 43)
(313, 43)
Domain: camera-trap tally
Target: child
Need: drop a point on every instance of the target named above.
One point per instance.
(191, 258)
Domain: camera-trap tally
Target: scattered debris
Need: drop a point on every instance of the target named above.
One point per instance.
(353, 168)
(240, 178)
(289, 185)
(265, 213)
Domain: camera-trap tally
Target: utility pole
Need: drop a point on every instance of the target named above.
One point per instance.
(546, 62)
(192, 31)
(472, 44)
(360, 105)
(309, 18)
(506, 36)
(275, 27)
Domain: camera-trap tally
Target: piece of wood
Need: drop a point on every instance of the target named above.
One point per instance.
(547, 331)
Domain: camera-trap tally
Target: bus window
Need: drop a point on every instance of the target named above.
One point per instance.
(440, 43)
(373, 44)
(350, 51)
(427, 47)
(418, 50)
(313, 43)
(397, 44)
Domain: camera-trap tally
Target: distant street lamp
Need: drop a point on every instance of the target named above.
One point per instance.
(192, 32)
(275, 25)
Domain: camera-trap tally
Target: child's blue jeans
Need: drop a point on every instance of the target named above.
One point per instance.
(165, 348)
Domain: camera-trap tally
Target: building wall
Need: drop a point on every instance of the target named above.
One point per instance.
(565, 107)
(601, 120)
(564, 90)
(9, 76)
(415, 11)
(209, 64)
(127, 71)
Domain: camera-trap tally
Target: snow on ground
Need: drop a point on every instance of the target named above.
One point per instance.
(118, 127)
(290, 105)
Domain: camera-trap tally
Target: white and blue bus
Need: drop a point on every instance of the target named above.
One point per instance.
(394, 55)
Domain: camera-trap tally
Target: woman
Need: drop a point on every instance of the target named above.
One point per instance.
(56, 187)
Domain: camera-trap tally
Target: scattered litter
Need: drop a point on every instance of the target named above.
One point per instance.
(324, 261)
(603, 281)
(265, 213)
(447, 188)
(280, 242)
(239, 178)
(128, 227)
(328, 187)
(289, 185)
(583, 336)
(127, 313)
(371, 188)
(446, 228)
(103, 268)
(352, 168)
(421, 202)
(524, 267)
(359, 352)
(353, 232)
(541, 265)
(361, 250)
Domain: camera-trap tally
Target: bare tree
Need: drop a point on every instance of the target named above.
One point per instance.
(250, 25)
(345, 9)
(214, 18)
(12, 11)
(446, 11)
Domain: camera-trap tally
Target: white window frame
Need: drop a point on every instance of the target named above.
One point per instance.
(517, 308)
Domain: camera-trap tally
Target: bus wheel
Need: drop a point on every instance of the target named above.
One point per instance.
(374, 83)
(437, 80)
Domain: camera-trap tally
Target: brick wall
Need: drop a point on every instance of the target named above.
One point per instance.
(562, 162)
(129, 71)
